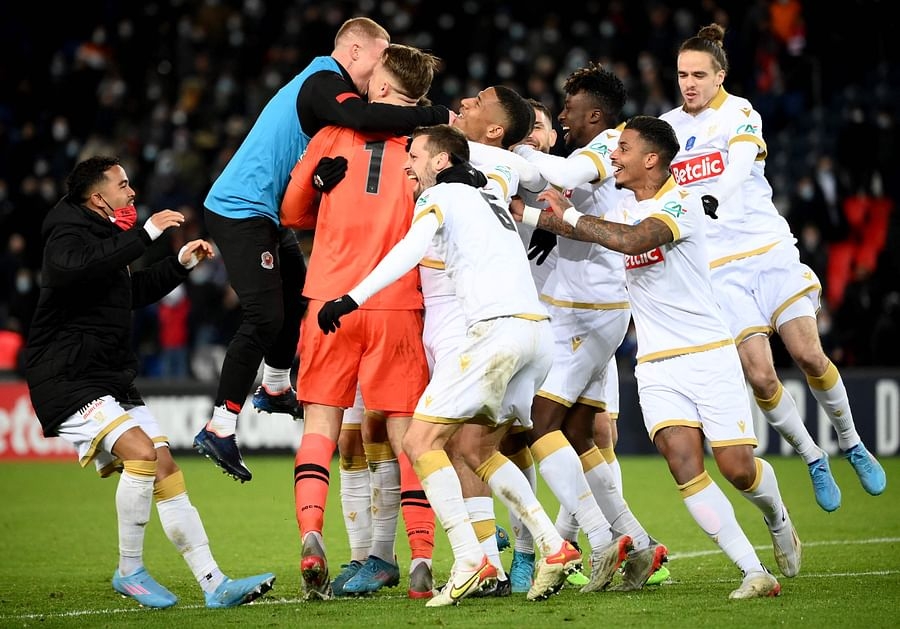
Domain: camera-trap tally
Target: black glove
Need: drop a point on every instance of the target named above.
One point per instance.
(462, 172)
(332, 311)
(541, 244)
(329, 172)
(710, 205)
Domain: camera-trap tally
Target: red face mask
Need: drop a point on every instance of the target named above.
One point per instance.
(124, 217)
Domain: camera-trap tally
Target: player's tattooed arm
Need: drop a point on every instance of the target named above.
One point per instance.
(631, 239)
(552, 223)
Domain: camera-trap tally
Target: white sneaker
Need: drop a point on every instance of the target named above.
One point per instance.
(462, 583)
(786, 544)
(757, 585)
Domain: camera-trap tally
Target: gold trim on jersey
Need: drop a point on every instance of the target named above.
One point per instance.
(530, 317)
(794, 298)
(433, 419)
(111, 468)
(501, 182)
(743, 335)
(95, 442)
(746, 254)
(687, 423)
(554, 398)
(433, 263)
(583, 305)
(670, 223)
(720, 97)
(600, 406)
(598, 164)
(667, 185)
(758, 141)
(428, 210)
(680, 351)
(748, 441)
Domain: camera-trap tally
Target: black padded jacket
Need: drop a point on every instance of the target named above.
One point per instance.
(79, 347)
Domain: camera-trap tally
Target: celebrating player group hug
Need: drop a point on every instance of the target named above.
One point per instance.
(456, 327)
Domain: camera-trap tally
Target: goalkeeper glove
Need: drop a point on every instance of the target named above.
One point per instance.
(332, 311)
(329, 172)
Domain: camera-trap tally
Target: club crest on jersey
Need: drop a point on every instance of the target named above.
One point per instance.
(690, 143)
(698, 168)
(654, 256)
(267, 261)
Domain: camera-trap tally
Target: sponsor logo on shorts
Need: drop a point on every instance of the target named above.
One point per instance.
(92, 411)
(644, 259)
(698, 168)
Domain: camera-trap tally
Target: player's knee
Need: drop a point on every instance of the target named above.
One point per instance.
(812, 363)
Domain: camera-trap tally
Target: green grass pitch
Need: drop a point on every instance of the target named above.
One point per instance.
(58, 552)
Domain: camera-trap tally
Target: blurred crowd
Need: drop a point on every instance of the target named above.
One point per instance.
(172, 87)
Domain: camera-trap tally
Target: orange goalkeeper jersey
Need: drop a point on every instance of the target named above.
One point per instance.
(359, 220)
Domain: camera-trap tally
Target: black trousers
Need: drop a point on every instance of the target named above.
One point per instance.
(267, 271)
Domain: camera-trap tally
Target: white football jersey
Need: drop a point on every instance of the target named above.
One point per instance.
(586, 275)
(503, 182)
(748, 220)
(482, 253)
(672, 301)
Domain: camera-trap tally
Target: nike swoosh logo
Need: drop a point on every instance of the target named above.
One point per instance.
(559, 557)
(458, 592)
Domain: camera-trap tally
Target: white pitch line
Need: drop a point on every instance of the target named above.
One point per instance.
(676, 556)
(716, 551)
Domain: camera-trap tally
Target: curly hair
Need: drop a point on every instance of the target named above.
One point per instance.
(605, 89)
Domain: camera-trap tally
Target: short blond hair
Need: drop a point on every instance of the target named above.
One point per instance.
(413, 68)
(361, 27)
